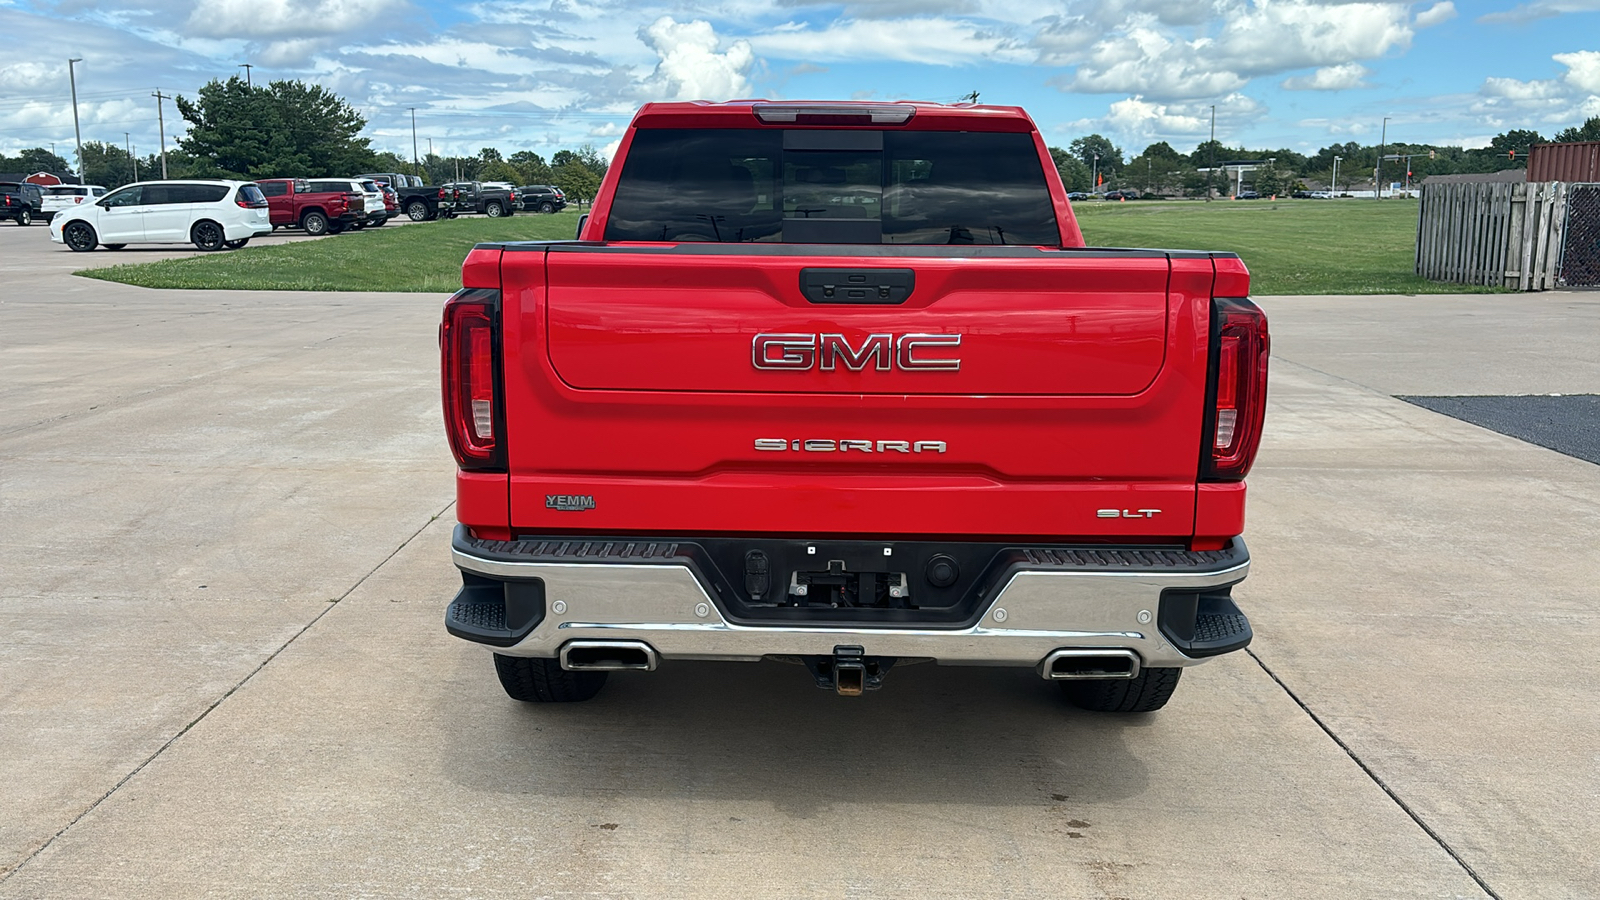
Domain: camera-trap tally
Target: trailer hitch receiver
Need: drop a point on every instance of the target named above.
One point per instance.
(849, 672)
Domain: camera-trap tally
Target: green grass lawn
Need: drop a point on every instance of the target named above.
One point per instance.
(1291, 247)
(424, 256)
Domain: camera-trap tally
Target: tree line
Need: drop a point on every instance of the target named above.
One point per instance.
(291, 129)
(1094, 162)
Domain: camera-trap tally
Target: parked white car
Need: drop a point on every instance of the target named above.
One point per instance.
(377, 213)
(62, 197)
(210, 214)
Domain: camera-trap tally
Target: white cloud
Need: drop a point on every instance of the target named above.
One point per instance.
(479, 56)
(1573, 97)
(265, 19)
(1583, 70)
(23, 78)
(1520, 91)
(1137, 121)
(890, 9)
(1330, 78)
(1437, 14)
(931, 41)
(1541, 9)
(1142, 54)
(691, 67)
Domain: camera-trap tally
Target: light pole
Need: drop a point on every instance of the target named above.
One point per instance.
(161, 123)
(1377, 171)
(1333, 186)
(1211, 172)
(1094, 173)
(73, 78)
(128, 138)
(416, 165)
(247, 67)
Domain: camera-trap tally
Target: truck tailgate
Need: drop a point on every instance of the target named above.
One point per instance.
(708, 388)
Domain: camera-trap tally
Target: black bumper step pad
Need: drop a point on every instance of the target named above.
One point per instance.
(1204, 623)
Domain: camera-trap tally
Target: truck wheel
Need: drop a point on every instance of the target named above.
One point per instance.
(547, 207)
(494, 210)
(25, 217)
(544, 681)
(208, 236)
(80, 236)
(417, 211)
(1146, 693)
(314, 223)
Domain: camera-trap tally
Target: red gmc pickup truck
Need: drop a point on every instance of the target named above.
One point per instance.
(292, 203)
(839, 384)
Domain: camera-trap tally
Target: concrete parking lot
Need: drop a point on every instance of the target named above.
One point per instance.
(224, 525)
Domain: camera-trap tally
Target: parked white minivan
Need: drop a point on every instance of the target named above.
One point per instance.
(59, 198)
(209, 214)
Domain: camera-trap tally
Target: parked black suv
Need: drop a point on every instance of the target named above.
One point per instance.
(21, 201)
(545, 198)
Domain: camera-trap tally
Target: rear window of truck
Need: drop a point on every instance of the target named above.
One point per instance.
(832, 187)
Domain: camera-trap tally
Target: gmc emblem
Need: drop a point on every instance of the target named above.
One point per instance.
(883, 352)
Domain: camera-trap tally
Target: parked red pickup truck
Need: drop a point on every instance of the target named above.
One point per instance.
(292, 203)
(840, 384)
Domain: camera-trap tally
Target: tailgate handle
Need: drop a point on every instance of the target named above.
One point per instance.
(874, 286)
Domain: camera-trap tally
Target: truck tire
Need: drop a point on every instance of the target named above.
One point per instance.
(544, 681)
(417, 211)
(547, 208)
(314, 223)
(80, 236)
(1146, 693)
(494, 210)
(25, 217)
(208, 235)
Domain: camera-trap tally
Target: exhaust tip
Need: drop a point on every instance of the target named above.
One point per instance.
(1098, 664)
(608, 656)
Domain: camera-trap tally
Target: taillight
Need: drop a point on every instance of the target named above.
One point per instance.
(77, 199)
(467, 345)
(1239, 349)
(441, 193)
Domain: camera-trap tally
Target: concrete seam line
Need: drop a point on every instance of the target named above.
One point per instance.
(1405, 807)
(1284, 360)
(230, 692)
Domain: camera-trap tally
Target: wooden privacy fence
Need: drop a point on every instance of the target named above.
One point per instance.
(1500, 235)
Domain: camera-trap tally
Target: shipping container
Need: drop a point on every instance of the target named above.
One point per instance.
(1574, 162)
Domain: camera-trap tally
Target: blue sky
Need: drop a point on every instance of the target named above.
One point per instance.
(548, 74)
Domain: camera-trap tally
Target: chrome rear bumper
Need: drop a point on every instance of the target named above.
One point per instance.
(1038, 610)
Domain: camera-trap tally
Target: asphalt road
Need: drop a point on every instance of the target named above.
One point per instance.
(1566, 423)
(224, 525)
